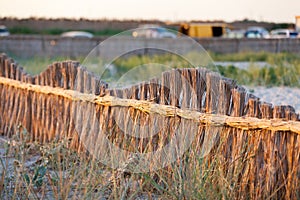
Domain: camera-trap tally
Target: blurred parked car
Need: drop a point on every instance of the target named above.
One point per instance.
(149, 31)
(284, 33)
(235, 34)
(77, 34)
(257, 32)
(4, 31)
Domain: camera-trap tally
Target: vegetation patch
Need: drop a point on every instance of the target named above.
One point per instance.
(283, 68)
(31, 170)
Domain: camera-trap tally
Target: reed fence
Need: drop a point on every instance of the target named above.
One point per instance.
(68, 102)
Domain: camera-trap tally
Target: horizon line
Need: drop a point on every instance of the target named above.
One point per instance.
(139, 19)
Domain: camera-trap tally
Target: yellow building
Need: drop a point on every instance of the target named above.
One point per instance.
(204, 29)
(297, 25)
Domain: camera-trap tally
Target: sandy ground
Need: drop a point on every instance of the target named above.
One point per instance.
(278, 95)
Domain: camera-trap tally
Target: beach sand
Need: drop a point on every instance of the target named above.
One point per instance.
(278, 95)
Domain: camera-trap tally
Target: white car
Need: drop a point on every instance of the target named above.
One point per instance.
(235, 34)
(77, 34)
(284, 33)
(4, 31)
(153, 32)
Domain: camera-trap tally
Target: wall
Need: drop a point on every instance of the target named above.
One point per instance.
(51, 46)
(240, 45)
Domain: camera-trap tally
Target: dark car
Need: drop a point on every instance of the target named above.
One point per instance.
(257, 32)
(3, 31)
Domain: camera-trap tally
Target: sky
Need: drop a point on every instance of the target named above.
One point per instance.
(167, 10)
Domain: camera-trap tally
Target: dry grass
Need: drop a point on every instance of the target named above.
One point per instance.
(52, 171)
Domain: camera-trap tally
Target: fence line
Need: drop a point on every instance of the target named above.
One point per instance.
(66, 101)
(149, 107)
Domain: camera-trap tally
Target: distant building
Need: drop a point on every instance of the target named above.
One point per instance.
(297, 25)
